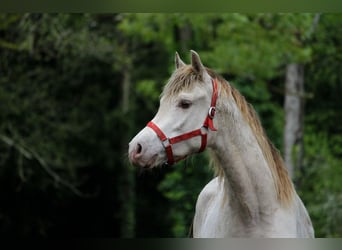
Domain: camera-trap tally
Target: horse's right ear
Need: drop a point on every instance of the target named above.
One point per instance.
(196, 62)
(179, 63)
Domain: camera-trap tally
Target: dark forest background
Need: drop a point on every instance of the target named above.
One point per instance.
(75, 88)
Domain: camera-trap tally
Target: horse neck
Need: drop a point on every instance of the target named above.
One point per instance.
(242, 164)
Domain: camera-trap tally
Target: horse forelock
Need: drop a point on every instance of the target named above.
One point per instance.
(182, 79)
(185, 78)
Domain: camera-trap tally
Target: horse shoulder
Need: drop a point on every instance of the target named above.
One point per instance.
(207, 194)
(304, 225)
(206, 208)
(289, 222)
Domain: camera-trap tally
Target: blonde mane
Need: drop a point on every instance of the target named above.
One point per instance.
(185, 77)
(283, 183)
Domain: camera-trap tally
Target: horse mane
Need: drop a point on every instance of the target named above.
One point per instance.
(283, 183)
(185, 77)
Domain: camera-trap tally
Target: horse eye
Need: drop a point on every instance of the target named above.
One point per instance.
(184, 104)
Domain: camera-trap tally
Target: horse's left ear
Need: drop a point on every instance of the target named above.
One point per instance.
(196, 62)
(178, 61)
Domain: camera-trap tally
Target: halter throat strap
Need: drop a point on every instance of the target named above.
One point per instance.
(207, 124)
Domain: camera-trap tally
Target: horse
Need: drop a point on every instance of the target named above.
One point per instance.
(251, 194)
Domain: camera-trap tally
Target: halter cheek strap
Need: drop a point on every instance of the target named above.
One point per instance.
(207, 124)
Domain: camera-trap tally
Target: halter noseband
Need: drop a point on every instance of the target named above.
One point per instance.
(207, 124)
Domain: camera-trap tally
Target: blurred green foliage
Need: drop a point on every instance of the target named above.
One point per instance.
(64, 124)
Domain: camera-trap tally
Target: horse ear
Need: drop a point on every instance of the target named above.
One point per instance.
(196, 62)
(179, 63)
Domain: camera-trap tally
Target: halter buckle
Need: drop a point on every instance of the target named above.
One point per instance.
(211, 112)
(166, 143)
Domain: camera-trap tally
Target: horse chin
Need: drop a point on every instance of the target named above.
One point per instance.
(153, 162)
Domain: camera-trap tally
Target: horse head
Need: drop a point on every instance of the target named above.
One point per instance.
(183, 124)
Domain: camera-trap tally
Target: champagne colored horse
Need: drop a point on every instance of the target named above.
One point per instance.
(252, 195)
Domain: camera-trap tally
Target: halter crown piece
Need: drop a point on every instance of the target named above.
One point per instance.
(207, 124)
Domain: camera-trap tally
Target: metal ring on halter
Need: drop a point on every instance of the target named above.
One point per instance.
(211, 112)
(204, 130)
(165, 164)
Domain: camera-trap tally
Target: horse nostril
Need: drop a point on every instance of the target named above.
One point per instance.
(139, 148)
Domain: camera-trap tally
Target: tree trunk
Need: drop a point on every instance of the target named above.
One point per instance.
(184, 37)
(127, 178)
(294, 113)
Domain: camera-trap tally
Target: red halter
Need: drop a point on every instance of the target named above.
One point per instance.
(208, 123)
